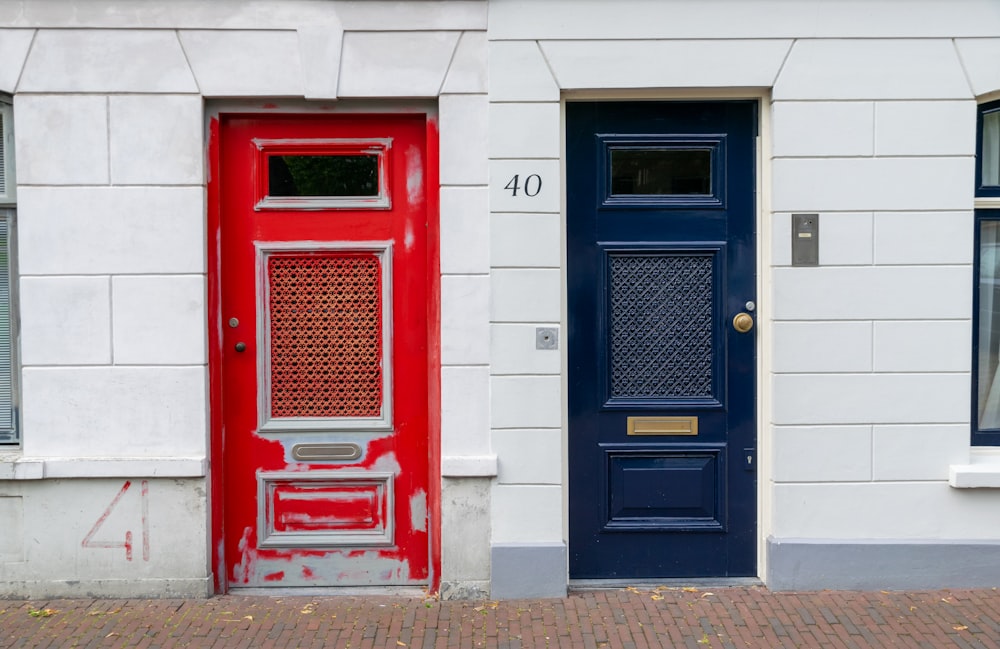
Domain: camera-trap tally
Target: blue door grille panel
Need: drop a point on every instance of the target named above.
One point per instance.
(665, 489)
(661, 325)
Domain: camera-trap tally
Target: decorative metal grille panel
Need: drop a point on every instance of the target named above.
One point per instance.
(326, 334)
(661, 325)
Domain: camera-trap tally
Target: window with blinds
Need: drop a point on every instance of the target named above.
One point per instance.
(8, 338)
(3, 151)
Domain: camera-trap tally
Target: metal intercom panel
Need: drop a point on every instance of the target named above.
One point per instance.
(805, 239)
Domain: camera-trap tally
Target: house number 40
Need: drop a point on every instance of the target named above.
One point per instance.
(532, 185)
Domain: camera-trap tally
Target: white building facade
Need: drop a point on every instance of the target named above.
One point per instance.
(492, 298)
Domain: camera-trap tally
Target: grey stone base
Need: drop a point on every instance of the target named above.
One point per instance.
(839, 564)
(107, 588)
(465, 590)
(523, 570)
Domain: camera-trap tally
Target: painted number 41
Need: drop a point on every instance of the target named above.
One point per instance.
(532, 185)
(89, 542)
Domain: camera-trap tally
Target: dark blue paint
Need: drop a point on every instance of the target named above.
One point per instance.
(617, 530)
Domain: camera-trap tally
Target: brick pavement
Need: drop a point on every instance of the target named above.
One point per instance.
(630, 618)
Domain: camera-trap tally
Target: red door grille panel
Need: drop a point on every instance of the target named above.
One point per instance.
(326, 334)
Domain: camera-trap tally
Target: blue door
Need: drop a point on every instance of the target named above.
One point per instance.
(661, 265)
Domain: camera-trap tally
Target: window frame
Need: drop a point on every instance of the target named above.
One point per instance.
(10, 436)
(987, 210)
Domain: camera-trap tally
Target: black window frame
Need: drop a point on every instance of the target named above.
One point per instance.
(983, 215)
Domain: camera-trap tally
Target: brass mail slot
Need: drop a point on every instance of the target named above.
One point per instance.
(662, 425)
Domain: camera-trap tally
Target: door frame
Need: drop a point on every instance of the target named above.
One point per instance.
(764, 235)
(214, 112)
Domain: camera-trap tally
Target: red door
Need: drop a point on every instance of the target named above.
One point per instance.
(323, 373)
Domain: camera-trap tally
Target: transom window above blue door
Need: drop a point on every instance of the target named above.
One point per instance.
(662, 171)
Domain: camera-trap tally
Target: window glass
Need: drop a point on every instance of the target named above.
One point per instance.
(661, 172)
(990, 154)
(988, 336)
(322, 175)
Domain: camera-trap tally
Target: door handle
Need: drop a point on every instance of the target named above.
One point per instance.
(743, 322)
(240, 347)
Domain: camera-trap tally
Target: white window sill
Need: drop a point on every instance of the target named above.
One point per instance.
(983, 470)
(14, 466)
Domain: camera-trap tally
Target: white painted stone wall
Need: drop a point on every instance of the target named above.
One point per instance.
(110, 112)
(869, 120)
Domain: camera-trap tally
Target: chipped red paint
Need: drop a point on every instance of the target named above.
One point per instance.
(303, 508)
(410, 450)
(434, 349)
(216, 478)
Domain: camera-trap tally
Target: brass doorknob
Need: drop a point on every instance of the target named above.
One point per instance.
(743, 322)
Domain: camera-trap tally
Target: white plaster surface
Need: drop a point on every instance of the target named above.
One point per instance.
(739, 19)
(395, 64)
(75, 126)
(464, 136)
(524, 130)
(159, 320)
(781, 232)
(12, 522)
(465, 320)
(245, 63)
(114, 411)
(156, 140)
(527, 513)
(529, 456)
(845, 239)
(176, 525)
(821, 346)
(465, 230)
(821, 128)
(514, 351)
(872, 69)
(889, 510)
(923, 346)
(238, 14)
(14, 44)
(924, 237)
(925, 128)
(822, 454)
(519, 72)
(679, 63)
(401, 16)
(881, 293)
(866, 184)
(979, 56)
(319, 54)
(465, 411)
(526, 295)
(805, 399)
(65, 320)
(526, 240)
(70, 230)
(465, 530)
(547, 197)
(468, 70)
(526, 402)
(917, 452)
(105, 60)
